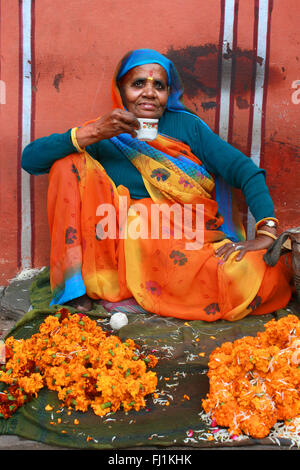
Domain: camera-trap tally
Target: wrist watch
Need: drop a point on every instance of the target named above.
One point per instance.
(270, 223)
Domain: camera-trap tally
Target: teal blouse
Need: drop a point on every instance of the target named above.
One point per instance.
(218, 157)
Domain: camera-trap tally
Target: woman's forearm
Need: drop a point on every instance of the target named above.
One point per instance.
(258, 197)
(39, 155)
(239, 172)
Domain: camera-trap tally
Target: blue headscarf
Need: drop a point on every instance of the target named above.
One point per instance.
(149, 56)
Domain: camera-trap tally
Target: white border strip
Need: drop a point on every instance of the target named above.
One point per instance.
(226, 69)
(26, 134)
(260, 80)
(263, 14)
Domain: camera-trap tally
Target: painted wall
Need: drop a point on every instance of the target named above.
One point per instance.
(239, 60)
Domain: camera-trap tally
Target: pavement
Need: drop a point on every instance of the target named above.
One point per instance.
(14, 303)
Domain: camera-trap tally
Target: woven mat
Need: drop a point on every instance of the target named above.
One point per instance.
(182, 383)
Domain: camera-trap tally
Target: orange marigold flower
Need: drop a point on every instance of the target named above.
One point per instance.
(85, 365)
(254, 381)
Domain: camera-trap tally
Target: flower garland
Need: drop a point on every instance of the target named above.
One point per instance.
(255, 381)
(86, 366)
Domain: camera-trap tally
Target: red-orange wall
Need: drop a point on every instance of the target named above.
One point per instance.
(75, 48)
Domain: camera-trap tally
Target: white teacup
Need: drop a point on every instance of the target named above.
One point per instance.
(148, 129)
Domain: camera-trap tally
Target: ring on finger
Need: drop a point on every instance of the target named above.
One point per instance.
(238, 247)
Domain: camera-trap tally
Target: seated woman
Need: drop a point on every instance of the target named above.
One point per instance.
(102, 168)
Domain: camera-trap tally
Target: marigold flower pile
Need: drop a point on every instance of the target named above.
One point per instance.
(85, 365)
(255, 381)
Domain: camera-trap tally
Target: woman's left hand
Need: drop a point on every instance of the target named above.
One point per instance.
(262, 242)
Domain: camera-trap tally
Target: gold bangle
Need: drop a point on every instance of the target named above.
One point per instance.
(74, 140)
(264, 232)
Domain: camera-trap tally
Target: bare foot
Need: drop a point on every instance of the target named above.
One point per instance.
(82, 304)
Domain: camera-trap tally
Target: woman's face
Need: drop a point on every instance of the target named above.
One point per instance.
(144, 91)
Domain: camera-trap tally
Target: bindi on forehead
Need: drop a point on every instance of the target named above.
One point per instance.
(151, 70)
(150, 77)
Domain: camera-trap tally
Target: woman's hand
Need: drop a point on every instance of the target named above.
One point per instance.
(261, 242)
(110, 125)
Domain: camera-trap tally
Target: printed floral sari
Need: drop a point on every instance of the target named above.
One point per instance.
(158, 250)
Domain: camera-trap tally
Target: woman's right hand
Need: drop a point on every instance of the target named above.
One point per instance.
(110, 125)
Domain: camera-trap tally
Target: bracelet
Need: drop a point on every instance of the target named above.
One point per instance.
(74, 140)
(271, 222)
(264, 232)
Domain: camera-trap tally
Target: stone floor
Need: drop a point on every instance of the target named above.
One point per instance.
(14, 303)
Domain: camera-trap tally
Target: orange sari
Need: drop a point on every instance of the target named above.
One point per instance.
(161, 274)
(114, 255)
